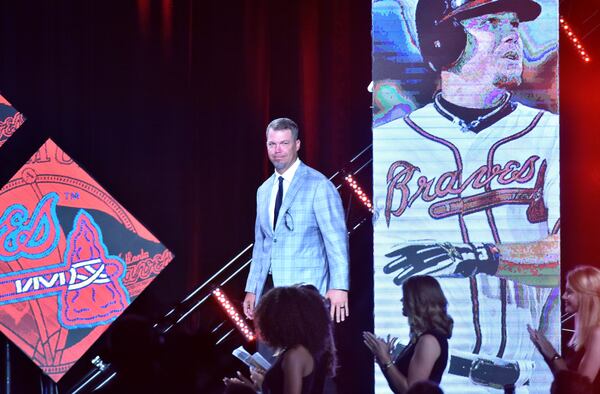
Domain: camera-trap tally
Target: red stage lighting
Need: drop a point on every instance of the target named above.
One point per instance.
(359, 192)
(233, 314)
(574, 40)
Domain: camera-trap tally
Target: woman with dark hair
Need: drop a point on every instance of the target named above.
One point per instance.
(582, 300)
(426, 355)
(294, 321)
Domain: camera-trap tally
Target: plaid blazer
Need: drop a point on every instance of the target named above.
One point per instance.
(310, 243)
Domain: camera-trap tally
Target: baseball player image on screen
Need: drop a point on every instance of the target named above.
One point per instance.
(466, 188)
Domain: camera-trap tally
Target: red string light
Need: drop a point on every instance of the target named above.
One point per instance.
(575, 41)
(362, 196)
(233, 314)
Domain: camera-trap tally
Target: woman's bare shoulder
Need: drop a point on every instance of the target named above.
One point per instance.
(298, 351)
(428, 344)
(298, 357)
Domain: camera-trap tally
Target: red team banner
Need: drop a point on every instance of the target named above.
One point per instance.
(72, 259)
(466, 180)
(10, 120)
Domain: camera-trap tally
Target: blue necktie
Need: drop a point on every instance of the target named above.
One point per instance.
(278, 201)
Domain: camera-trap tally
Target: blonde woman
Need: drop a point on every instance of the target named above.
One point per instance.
(426, 355)
(581, 298)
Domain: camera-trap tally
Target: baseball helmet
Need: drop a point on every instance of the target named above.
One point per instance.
(442, 39)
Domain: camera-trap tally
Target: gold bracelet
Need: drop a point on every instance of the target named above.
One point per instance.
(387, 365)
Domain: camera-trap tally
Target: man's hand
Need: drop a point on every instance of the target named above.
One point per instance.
(249, 305)
(339, 308)
(439, 259)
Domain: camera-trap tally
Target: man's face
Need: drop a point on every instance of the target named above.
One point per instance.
(494, 51)
(282, 149)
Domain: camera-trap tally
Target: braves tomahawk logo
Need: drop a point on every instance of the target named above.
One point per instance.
(401, 174)
(88, 283)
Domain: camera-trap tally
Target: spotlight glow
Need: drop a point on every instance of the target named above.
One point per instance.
(233, 314)
(574, 40)
(362, 196)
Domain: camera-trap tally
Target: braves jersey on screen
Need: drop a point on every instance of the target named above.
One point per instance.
(434, 181)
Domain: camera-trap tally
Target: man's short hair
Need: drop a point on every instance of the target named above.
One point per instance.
(283, 124)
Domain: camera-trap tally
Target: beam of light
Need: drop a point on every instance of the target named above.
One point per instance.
(575, 41)
(233, 314)
(362, 196)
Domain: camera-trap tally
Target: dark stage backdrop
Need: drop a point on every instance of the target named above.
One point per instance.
(165, 102)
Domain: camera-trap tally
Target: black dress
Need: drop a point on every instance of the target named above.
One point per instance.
(573, 359)
(403, 360)
(312, 383)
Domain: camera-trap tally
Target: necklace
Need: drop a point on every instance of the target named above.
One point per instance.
(469, 126)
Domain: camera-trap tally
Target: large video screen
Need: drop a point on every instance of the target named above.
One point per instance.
(466, 180)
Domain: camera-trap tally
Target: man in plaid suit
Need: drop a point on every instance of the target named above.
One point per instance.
(300, 231)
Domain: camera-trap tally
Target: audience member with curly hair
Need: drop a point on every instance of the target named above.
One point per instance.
(426, 355)
(582, 299)
(295, 321)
